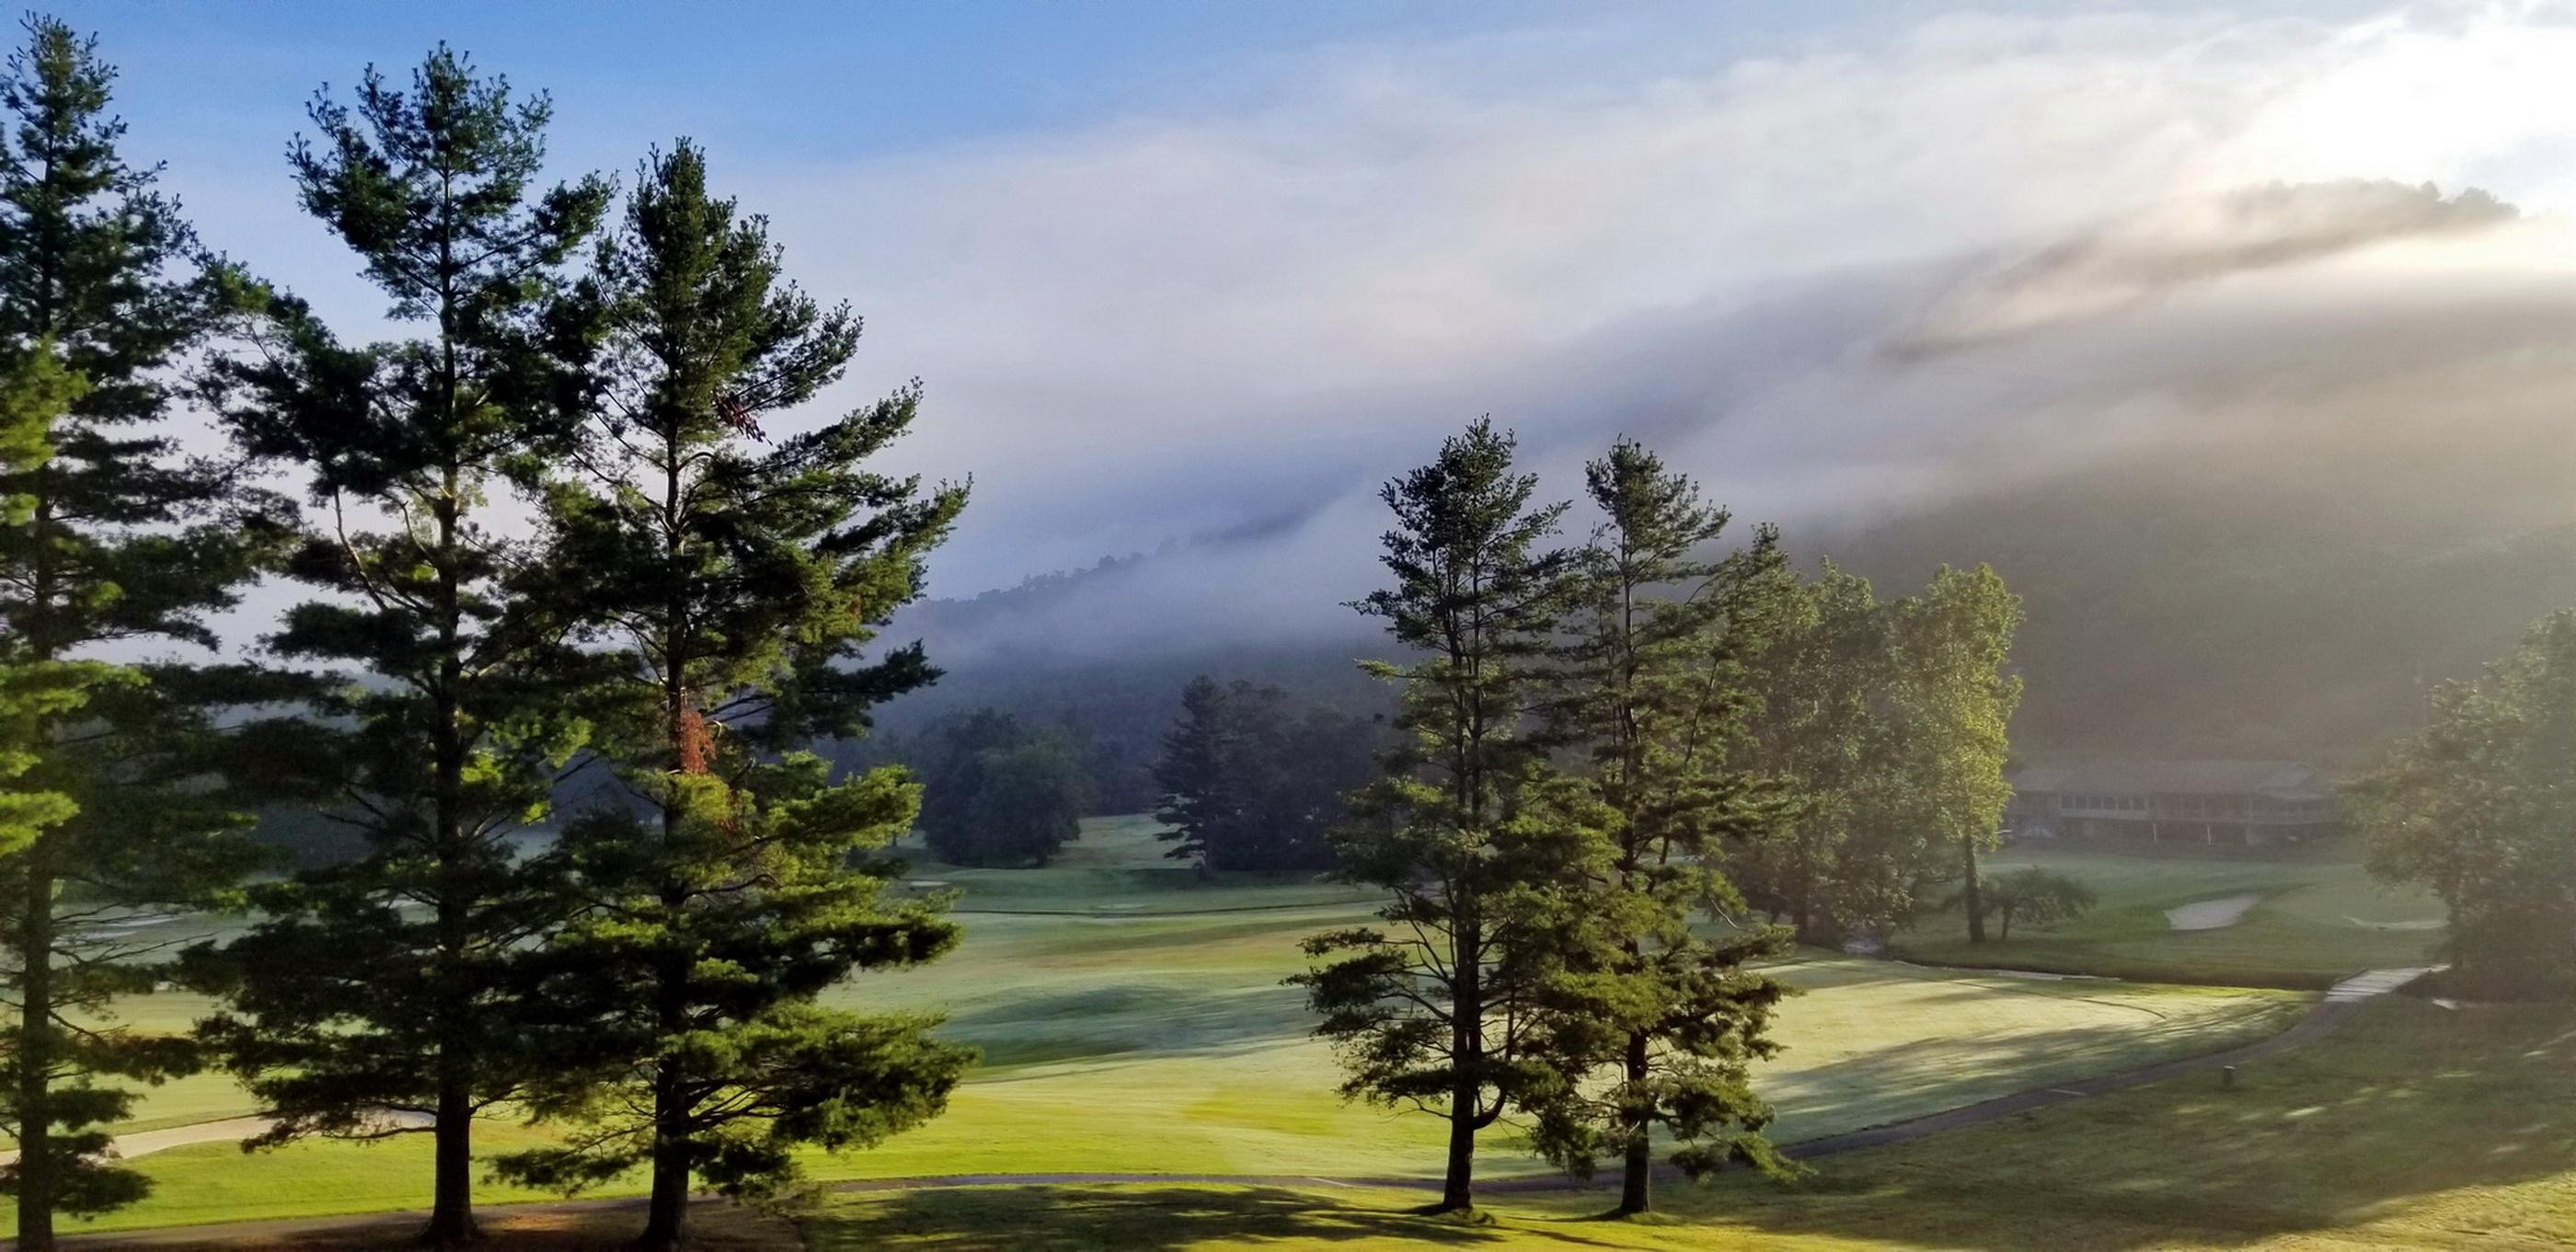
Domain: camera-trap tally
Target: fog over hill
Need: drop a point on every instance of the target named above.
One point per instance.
(2261, 463)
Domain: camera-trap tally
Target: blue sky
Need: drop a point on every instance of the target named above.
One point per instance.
(1178, 269)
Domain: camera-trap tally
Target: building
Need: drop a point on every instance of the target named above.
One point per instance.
(2217, 803)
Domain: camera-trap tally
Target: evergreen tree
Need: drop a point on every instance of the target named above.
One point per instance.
(1657, 692)
(1245, 783)
(738, 582)
(1203, 793)
(384, 984)
(110, 536)
(34, 393)
(1429, 1011)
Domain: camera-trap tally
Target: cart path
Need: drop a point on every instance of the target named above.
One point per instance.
(389, 1228)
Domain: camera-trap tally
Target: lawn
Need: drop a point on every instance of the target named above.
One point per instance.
(2411, 1126)
(1133, 1020)
(2317, 919)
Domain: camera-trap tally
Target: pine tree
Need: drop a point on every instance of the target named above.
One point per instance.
(1656, 691)
(111, 536)
(1428, 1011)
(384, 985)
(1201, 797)
(35, 391)
(738, 580)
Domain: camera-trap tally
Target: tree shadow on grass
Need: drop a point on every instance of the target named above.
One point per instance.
(1126, 1218)
(2402, 1107)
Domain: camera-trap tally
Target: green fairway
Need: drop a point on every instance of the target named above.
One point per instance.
(1133, 1020)
(2314, 921)
(2408, 1127)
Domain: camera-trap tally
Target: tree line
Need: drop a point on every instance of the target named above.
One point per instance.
(691, 608)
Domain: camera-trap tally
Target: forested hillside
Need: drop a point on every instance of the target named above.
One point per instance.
(2176, 609)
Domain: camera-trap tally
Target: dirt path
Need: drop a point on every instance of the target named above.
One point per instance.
(386, 1229)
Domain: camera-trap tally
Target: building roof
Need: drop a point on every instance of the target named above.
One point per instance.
(2287, 780)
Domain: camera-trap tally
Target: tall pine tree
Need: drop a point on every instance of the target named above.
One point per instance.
(375, 997)
(35, 390)
(738, 581)
(112, 536)
(1657, 692)
(1430, 1010)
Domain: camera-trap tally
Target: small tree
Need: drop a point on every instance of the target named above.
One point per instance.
(1432, 1011)
(2032, 895)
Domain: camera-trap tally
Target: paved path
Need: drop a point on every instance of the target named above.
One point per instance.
(2338, 1004)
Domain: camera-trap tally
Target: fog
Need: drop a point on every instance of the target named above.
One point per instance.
(2387, 351)
(1845, 276)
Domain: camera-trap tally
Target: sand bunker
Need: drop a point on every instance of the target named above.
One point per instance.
(2433, 923)
(2211, 914)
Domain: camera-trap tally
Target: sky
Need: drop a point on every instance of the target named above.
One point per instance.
(1176, 276)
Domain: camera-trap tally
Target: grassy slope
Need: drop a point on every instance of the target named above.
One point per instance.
(1120, 994)
(2410, 1127)
(2318, 921)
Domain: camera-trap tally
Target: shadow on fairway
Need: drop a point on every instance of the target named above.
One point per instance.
(1139, 1218)
(2407, 1126)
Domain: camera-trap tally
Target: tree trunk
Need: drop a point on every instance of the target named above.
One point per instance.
(1970, 894)
(451, 1213)
(1458, 1184)
(451, 1220)
(36, 1172)
(1466, 1055)
(667, 1213)
(1636, 1176)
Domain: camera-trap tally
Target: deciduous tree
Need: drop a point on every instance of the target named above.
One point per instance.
(2477, 807)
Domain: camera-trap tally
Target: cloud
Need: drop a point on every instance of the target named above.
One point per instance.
(2129, 234)
(1176, 324)
(2143, 255)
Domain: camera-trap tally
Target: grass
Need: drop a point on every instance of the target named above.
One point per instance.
(1132, 1020)
(2317, 921)
(2408, 1127)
